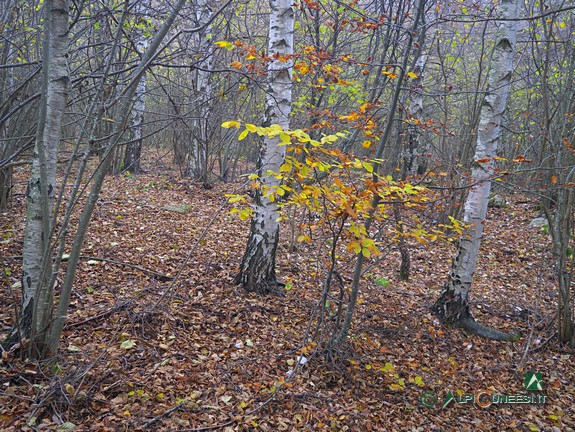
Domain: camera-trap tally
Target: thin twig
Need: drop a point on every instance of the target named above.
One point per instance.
(154, 274)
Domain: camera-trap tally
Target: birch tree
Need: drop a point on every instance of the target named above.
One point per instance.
(37, 292)
(452, 307)
(134, 147)
(198, 152)
(257, 270)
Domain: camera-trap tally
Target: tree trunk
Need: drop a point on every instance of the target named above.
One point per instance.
(377, 168)
(57, 326)
(37, 292)
(561, 232)
(257, 270)
(134, 147)
(198, 154)
(452, 307)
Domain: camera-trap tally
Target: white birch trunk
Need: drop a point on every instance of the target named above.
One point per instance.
(257, 272)
(452, 307)
(197, 162)
(134, 147)
(37, 294)
(413, 160)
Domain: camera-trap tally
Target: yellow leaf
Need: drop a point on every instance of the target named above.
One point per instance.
(367, 166)
(231, 124)
(245, 214)
(243, 134)
(225, 44)
(235, 198)
(284, 137)
(411, 75)
(354, 247)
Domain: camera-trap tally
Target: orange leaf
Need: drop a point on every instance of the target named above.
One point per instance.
(554, 179)
(236, 64)
(484, 160)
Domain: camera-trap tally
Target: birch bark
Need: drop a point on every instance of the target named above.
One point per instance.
(453, 305)
(134, 147)
(198, 154)
(257, 270)
(37, 294)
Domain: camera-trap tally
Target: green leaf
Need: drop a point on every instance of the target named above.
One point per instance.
(285, 138)
(382, 282)
(367, 166)
(388, 367)
(128, 344)
(67, 426)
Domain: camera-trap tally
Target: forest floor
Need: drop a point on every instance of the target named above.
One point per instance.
(141, 352)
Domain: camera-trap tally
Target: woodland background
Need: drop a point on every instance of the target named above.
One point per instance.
(133, 145)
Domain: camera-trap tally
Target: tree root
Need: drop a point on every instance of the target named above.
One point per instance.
(469, 324)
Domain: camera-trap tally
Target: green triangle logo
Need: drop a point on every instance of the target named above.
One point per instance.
(448, 399)
(533, 381)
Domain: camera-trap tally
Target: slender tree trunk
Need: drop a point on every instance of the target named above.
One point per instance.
(452, 307)
(134, 147)
(377, 167)
(413, 161)
(37, 293)
(561, 230)
(257, 270)
(99, 176)
(7, 18)
(198, 154)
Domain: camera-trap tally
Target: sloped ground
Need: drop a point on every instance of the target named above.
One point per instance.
(141, 353)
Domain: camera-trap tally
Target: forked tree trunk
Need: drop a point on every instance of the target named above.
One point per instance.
(257, 271)
(452, 307)
(37, 292)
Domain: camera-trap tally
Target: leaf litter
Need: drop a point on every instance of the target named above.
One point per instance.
(210, 356)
